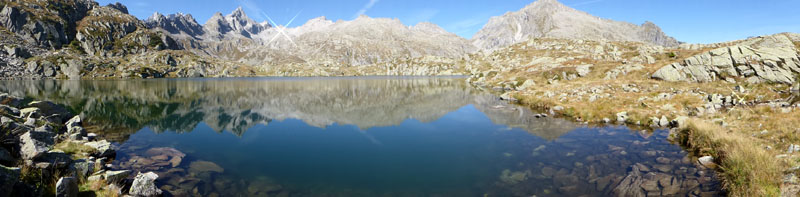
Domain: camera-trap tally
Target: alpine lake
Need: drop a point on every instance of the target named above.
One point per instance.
(363, 136)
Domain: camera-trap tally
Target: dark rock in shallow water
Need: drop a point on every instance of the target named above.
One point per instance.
(204, 166)
(67, 187)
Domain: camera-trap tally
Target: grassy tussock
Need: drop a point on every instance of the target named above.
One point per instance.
(746, 168)
(73, 148)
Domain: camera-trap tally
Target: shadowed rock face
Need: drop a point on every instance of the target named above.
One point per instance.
(549, 18)
(237, 105)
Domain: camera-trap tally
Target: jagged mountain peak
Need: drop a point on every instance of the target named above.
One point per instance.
(237, 23)
(156, 16)
(179, 23)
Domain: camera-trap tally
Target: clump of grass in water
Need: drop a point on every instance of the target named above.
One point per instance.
(746, 169)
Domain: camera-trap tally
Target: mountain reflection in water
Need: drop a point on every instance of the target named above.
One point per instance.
(116, 109)
(373, 136)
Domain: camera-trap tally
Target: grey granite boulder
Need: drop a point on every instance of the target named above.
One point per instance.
(144, 185)
(34, 144)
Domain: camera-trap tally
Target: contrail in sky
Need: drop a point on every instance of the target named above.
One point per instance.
(365, 8)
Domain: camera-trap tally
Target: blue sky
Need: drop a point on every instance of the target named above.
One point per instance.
(694, 21)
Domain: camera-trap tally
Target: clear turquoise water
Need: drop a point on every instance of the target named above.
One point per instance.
(375, 136)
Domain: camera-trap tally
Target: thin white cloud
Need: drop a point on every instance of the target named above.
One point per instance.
(422, 15)
(365, 8)
(251, 6)
(465, 26)
(141, 4)
(586, 3)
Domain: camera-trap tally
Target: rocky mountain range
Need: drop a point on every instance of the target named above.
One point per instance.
(60, 32)
(319, 42)
(549, 18)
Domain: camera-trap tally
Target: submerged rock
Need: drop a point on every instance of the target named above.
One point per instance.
(631, 185)
(512, 178)
(263, 186)
(144, 185)
(173, 155)
(204, 166)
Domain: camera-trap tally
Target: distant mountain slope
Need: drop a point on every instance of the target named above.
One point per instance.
(549, 18)
(319, 42)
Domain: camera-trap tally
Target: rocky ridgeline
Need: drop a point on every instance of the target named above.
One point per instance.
(44, 139)
(107, 32)
(549, 18)
(80, 39)
(767, 59)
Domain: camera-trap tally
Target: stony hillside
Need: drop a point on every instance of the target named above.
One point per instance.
(551, 19)
(81, 39)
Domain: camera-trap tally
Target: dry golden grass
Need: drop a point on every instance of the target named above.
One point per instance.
(747, 169)
(97, 188)
(74, 149)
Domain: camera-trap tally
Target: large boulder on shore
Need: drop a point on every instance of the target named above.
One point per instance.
(114, 177)
(47, 108)
(103, 147)
(144, 185)
(33, 144)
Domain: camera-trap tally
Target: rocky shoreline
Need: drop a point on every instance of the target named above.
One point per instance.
(46, 151)
(736, 102)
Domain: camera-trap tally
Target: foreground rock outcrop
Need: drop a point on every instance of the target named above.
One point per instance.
(51, 148)
(766, 59)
